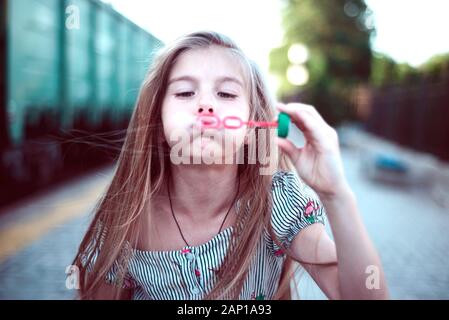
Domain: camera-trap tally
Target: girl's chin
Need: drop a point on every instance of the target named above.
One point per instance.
(203, 142)
(206, 146)
(208, 151)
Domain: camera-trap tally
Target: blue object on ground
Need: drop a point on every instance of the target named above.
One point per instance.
(390, 163)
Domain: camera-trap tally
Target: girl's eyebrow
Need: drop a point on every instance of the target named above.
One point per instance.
(230, 79)
(194, 80)
(182, 78)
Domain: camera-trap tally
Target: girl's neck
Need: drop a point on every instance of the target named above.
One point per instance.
(203, 192)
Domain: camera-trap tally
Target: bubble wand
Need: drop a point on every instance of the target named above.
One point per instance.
(234, 122)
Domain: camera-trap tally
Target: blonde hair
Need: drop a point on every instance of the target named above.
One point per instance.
(143, 167)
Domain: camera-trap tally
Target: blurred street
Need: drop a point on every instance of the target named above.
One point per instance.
(407, 224)
(43, 246)
(406, 220)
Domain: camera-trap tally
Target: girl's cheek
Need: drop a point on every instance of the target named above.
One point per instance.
(175, 115)
(175, 122)
(240, 110)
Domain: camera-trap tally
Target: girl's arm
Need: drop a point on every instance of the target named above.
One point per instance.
(358, 272)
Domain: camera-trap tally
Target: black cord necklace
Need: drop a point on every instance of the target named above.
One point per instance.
(173, 213)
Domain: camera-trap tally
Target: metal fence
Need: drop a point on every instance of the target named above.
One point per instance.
(415, 116)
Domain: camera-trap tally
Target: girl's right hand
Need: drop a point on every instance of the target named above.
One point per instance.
(318, 162)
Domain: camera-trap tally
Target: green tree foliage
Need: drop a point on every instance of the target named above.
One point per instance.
(436, 68)
(387, 72)
(337, 34)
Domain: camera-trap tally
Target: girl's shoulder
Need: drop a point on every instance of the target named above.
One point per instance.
(295, 206)
(289, 183)
(288, 179)
(282, 175)
(291, 193)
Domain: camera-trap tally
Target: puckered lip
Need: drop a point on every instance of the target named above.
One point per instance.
(208, 122)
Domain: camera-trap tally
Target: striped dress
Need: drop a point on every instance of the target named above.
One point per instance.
(187, 274)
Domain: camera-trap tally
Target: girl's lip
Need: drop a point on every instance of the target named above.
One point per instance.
(208, 121)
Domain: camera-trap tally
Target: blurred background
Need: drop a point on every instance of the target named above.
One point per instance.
(377, 71)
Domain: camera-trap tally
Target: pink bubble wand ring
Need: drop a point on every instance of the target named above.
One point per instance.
(234, 122)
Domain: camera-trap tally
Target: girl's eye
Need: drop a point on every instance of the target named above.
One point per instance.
(227, 95)
(185, 94)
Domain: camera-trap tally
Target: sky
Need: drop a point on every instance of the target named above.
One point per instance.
(407, 30)
(411, 31)
(254, 24)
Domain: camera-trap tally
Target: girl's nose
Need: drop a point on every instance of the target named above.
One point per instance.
(210, 110)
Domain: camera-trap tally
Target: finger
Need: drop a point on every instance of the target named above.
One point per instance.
(289, 148)
(292, 108)
(292, 112)
(308, 124)
(308, 108)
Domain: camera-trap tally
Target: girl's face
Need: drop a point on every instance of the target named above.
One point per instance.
(205, 82)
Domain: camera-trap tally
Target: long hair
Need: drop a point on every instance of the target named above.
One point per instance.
(143, 167)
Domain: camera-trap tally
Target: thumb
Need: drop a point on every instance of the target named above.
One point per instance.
(289, 148)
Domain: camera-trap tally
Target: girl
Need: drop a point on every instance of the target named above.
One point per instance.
(170, 229)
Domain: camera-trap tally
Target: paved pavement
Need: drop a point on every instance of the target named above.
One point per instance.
(407, 222)
(37, 269)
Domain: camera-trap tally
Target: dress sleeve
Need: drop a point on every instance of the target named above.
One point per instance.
(295, 206)
(111, 276)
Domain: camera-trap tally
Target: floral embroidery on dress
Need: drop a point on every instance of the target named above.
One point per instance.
(310, 208)
(279, 253)
(258, 297)
(129, 283)
(197, 273)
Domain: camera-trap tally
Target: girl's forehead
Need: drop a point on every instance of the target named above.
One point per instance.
(208, 61)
